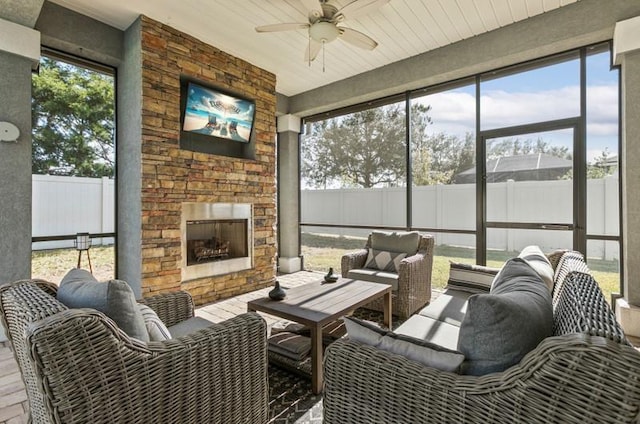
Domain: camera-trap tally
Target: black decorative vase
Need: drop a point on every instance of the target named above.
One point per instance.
(330, 277)
(278, 292)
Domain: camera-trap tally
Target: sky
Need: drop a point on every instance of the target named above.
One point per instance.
(543, 94)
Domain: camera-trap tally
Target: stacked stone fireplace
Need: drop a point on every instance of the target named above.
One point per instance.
(207, 220)
(216, 239)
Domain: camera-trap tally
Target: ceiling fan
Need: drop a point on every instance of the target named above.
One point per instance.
(324, 17)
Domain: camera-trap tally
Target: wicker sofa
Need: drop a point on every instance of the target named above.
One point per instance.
(412, 281)
(585, 373)
(79, 367)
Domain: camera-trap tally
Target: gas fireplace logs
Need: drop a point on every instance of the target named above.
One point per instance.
(209, 249)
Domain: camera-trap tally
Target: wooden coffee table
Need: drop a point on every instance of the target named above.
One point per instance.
(317, 304)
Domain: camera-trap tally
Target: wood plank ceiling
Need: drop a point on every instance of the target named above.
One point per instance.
(403, 28)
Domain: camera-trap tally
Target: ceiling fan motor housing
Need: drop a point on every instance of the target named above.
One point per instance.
(323, 32)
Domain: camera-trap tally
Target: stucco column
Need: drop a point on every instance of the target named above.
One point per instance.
(289, 258)
(626, 49)
(129, 160)
(19, 54)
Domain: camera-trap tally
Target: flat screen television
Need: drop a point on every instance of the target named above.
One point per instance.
(218, 114)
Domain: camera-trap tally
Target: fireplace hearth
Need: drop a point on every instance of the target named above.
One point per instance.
(216, 239)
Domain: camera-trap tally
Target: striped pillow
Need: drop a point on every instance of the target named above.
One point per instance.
(158, 332)
(470, 278)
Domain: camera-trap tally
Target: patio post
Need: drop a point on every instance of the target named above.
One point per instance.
(626, 53)
(289, 257)
(19, 55)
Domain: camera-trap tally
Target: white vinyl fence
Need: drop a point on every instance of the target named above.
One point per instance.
(70, 205)
(453, 207)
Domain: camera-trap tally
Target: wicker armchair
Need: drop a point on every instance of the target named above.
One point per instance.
(414, 277)
(79, 367)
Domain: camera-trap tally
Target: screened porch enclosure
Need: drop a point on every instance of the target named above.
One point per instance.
(488, 165)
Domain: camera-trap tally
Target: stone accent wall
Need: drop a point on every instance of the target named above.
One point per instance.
(171, 176)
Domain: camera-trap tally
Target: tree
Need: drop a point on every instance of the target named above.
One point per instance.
(73, 121)
(439, 157)
(367, 149)
(363, 149)
(516, 147)
(602, 166)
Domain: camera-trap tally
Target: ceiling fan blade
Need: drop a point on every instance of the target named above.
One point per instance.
(358, 8)
(357, 38)
(313, 8)
(312, 50)
(282, 27)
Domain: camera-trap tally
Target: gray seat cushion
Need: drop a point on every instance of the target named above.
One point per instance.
(375, 276)
(114, 298)
(424, 352)
(500, 328)
(450, 307)
(285, 326)
(431, 330)
(291, 345)
(406, 242)
(189, 326)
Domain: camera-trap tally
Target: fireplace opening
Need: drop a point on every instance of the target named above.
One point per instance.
(216, 240)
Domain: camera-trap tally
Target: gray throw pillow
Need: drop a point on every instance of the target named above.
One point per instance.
(534, 256)
(396, 241)
(421, 351)
(114, 298)
(157, 330)
(501, 327)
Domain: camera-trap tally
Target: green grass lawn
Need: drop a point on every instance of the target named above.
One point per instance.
(52, 265)
(323, 251)
(320, 252)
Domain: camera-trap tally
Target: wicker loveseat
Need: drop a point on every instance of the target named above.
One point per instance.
(411, 281)
(585, 373)
(79, 367)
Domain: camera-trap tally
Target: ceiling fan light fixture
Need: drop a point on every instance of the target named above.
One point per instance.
(323, 32)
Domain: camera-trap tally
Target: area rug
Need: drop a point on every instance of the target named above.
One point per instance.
(290, 398)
